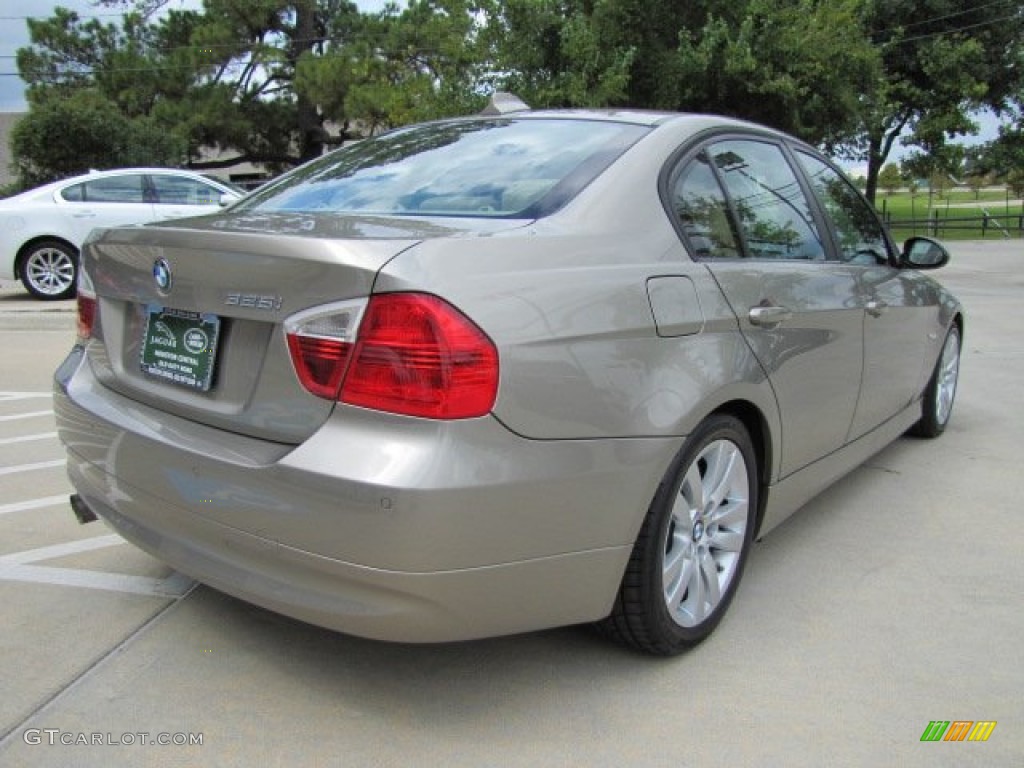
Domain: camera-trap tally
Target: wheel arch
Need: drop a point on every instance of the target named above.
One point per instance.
(958, 321)
(754, 421)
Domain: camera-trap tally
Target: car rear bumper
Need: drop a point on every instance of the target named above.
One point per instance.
(393, 528)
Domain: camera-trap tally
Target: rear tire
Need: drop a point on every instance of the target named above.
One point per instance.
(689, 556)
(937, 402)
(49, 270)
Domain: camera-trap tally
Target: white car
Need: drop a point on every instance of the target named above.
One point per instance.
(42, 230)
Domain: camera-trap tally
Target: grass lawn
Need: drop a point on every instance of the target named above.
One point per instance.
(959, 214)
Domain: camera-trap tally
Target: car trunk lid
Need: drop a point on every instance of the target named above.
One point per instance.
(190, 314)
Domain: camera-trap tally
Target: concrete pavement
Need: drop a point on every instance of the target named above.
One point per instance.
(20, 311)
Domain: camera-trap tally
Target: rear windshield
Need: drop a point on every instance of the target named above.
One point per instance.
(501, 168)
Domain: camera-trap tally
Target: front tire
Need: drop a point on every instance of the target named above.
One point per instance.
(49, 270)
(690, 554)
(937, 402)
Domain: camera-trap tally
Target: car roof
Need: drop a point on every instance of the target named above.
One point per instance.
(648, 117)
(93, 173)
(681, 122)
(53, 186)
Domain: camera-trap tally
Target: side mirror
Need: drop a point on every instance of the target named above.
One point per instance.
(923, 253)
(227, 198)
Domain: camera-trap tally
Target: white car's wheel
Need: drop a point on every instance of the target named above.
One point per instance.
(49, 270)
(689, 556)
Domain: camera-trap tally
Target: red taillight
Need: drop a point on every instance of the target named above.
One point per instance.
(414, 354)
(320, 363)
(418, 355)
(320, 341)
(86, 315)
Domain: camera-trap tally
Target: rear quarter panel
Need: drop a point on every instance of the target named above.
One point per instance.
(567, 304)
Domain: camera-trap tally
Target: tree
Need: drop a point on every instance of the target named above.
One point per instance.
(775, 62)
(558, 53)
(1006, 153)
(890, 178)
(63, 137)
(942, 60)
(397, 66)
(223, 79)
(264, 81)
(772, 61)
(976, 183)
(1015, 182)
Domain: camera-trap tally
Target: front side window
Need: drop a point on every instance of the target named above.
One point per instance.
(182, 190)
(861, 239)
(773, 212)
(500, 167)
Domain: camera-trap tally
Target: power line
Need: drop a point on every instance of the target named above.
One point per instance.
(80, 16)
(932, 20)
(955, 31)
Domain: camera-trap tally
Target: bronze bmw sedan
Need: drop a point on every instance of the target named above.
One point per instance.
(495, 374)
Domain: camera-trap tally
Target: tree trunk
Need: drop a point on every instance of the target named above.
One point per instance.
(310, 123)
(875, 161)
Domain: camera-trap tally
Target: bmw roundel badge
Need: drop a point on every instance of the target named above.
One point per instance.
(162, 275)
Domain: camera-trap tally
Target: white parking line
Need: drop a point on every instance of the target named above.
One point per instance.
(22, 506)
(27, 438)
(19, 567)
(29, 467)
(60, 550)
(29, 415)
(23, 395)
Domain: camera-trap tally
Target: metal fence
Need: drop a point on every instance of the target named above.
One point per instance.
(936, 224)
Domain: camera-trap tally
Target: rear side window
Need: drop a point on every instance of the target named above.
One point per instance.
(112, 189)
(773, 213)
(478, 168)
(74, 194)
(702, 211)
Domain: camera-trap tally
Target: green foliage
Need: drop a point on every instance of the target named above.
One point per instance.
(942, 59)
(63, 137)
(1005, 155)
(976, 182)
(1015, 181)
(275, 81)
(890, 179)
(775, 62)
(558, 54)
(397, 67)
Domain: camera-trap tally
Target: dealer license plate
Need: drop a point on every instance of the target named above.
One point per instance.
(180, 346)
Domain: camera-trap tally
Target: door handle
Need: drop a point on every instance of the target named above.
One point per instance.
(876, 307)
(769, 317)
